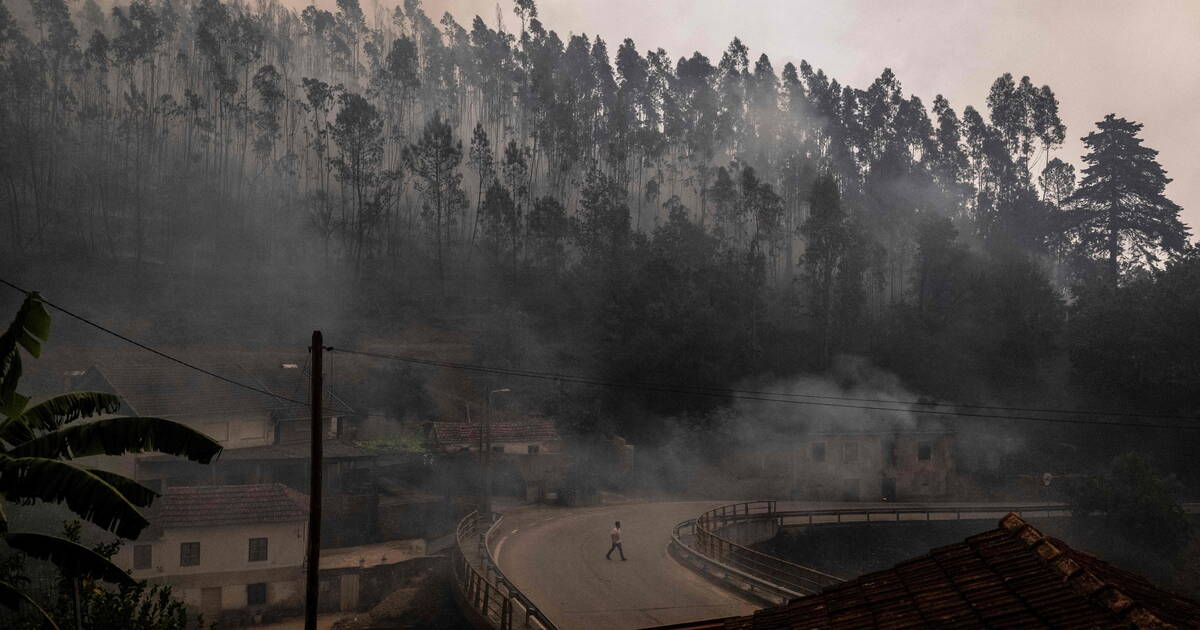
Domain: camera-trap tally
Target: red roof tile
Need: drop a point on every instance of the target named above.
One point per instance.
(1009, 577)
(447, 433)
(172, 391)
(214, 506)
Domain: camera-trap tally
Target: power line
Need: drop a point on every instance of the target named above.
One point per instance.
(728, 393)
(856, 399)
(776, 397)
(150, 349)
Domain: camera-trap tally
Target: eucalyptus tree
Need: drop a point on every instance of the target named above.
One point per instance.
(514, 169)
(949, 162)
(733, 72)
(358, 132)
(434, 160)
(320, 99)
(698, 121)
(763, 130)
(1025, 115)
(480, 157)
(828, 237)
(352, 25)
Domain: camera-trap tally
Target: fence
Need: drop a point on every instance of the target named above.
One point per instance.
(721, 537)
(482, 587)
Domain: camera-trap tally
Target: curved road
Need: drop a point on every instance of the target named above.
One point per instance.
(556, 557)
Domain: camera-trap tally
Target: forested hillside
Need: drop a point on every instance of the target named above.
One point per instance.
(660, 216)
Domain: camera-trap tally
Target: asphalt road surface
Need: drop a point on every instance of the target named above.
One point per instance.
(556, 557)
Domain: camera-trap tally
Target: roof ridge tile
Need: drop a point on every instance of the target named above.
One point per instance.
(1081, 580)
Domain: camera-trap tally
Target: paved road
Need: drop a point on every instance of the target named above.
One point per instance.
(556, 557)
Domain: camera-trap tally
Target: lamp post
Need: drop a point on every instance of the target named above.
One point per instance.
(487, 453)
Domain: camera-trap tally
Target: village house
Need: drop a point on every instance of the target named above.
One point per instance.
(231, 551)
(266, 438)
(894, 464)
(528, 457)
(512, 438)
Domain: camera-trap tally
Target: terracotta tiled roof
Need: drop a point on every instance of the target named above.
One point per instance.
(331, 449)
(446, 433)
(295, 383)
(171, 391)
(1009, 577)
(167, 390)
(214, 506)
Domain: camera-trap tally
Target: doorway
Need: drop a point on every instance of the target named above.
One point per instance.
(888, 489)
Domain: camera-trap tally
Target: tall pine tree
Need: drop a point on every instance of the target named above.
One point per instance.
(1119, 213)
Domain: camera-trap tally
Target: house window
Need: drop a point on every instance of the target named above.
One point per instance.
(534, 449)
(258, 549)
(254, 429)
(497, 449)
(189, 554)
(256, 594)
(818, 452)
(850, 453)
(141, 557)
(924, 451)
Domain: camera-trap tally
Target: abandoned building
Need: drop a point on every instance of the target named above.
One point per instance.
(528, 458)
(513, 438)
(912, 464)
(1008, 577)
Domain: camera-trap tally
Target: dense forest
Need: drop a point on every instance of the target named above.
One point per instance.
(672, 220)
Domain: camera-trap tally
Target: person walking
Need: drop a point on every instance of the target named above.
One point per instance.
(615, 534)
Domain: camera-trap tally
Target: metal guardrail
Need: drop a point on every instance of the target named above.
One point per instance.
(712, 536)
(482, 585)
(708, 540)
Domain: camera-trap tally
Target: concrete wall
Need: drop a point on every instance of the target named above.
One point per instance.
(854, 467)
(749, 532)
(509, 448)
(237, 431)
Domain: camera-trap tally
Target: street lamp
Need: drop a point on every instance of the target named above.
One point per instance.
(487, 453)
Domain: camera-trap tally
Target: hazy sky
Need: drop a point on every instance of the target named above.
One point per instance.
(1140, 60)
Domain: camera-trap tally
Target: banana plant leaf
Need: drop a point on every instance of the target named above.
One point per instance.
(52, 413)
(28, 479)
(137, 494)
(28, 330)
(72, 558)
(118, 436)
(55, 412)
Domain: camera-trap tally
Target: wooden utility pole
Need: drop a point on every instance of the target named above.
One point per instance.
(313, 563)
